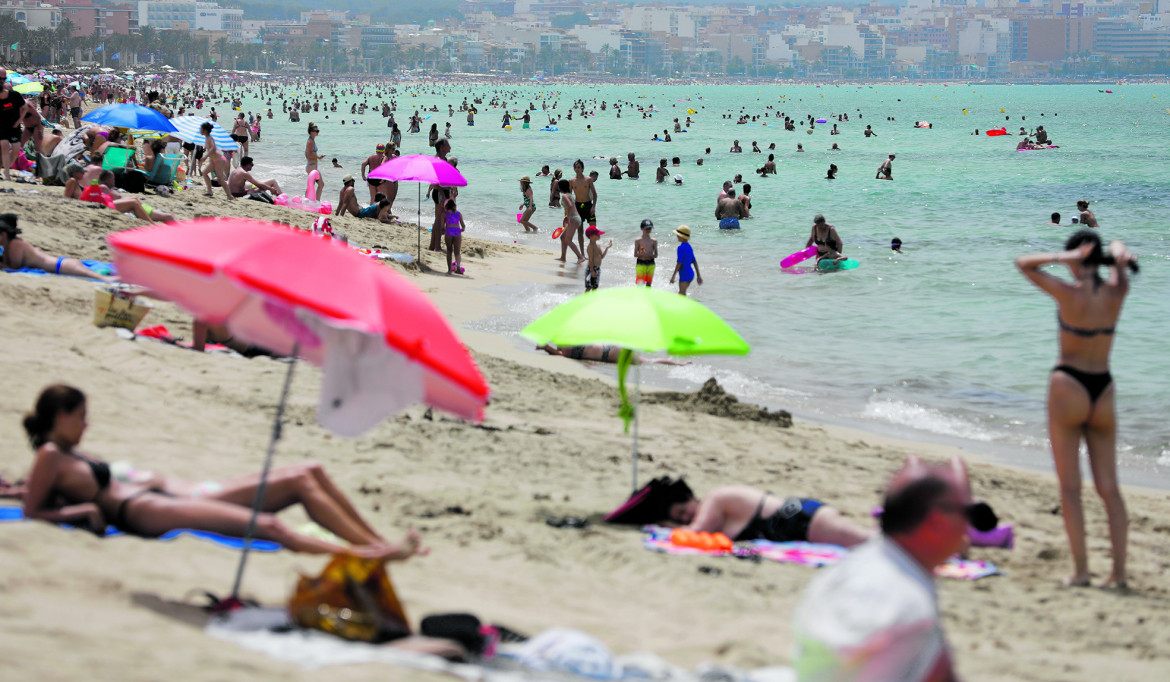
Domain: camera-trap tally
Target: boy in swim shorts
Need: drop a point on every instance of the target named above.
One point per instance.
(645, 251)
(595, 254)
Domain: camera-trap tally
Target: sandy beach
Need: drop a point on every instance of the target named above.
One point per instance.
(76, 607)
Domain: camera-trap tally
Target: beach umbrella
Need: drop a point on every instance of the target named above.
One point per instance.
(636, 319)
(29, 88)
(187, 129)
(134, 116)
(381, 341)
(17, 79)
(419, 168)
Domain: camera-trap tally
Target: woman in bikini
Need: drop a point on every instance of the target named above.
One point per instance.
(742, 513)
(214, 161)
(68, 486)
(825, 236)
(529, 206)
(312, 157)
(240, 133)
(1080, 388)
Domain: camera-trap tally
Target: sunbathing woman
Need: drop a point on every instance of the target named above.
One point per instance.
(68, 486)
(1080, 388)
(602, 354)
(18, 254)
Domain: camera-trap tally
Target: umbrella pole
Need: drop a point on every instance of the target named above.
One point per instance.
(262, 488)
(418, 231)
(637, 394)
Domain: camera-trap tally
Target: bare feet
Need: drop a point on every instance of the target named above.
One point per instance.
(1112, 581)
(1077, 581)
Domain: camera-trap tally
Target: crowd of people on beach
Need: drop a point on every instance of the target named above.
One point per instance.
(927, 509)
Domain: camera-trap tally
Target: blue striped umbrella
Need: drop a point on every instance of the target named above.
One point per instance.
(128, 115)
(187, 130)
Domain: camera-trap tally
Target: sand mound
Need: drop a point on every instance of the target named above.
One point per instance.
(712, 399)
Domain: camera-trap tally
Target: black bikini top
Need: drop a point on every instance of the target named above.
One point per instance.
(1084, 333)
(101, 471)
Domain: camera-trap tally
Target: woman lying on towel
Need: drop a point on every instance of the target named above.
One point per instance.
(68, 486)
(18, 254)
(741, 513)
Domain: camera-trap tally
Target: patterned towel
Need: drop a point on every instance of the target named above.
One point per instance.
(657, 539)
(17, 514)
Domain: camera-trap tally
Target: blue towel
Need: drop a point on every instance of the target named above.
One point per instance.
(17, 514)
(97, 266)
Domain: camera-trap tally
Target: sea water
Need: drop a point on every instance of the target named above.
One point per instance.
(946, 342)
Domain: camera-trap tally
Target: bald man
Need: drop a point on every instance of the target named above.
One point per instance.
(875, 615)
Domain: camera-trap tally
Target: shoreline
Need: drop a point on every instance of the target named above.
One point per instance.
(551, 446)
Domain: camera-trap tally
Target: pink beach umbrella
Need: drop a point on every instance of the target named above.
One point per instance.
(419, 168)
(382, 343)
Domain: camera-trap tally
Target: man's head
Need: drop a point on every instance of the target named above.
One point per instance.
(927, 509)
(347, 181)
(106, 178)
(1055, 218)
(246, 163)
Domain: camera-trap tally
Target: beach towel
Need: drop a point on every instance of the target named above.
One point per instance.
(657, 539)
(10, 514)
(269, 632)
(97, 266)
(162, 334)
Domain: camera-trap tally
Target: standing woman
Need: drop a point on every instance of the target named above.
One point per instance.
(1080, 388)
(433, 136)
(529, 206)
(214, 162)
(312, 157)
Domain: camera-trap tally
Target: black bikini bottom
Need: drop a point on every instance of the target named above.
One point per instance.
(120, 521)
(1094, 383)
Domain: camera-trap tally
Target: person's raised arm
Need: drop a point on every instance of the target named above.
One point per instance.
(1121, 260)
(1030, 263)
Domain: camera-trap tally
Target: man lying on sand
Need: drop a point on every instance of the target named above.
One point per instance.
(20, 254)
(602, 354)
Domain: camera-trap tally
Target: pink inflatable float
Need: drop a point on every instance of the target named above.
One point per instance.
(309, 201)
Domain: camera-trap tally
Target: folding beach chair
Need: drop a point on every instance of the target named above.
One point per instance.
(165, 169)
(117, 158)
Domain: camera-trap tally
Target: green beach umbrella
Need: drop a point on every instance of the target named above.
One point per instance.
(32, 88)
(636, 319)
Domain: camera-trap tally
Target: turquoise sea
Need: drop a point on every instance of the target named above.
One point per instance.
(946, 343)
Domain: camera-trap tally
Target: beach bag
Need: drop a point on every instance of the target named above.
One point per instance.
(115, 308)
(353, 599)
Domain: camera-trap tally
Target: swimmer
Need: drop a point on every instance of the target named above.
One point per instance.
(886, 170)
(896, 245)
(1086, 216)
(828, 242)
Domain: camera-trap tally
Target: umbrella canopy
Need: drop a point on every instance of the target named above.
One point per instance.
(419, 168)
(638, 318)
(29, 88)
(280, 287)
(187, 129)
(128, 115)
(17, 79)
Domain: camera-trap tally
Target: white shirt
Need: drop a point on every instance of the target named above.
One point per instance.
(872, 618)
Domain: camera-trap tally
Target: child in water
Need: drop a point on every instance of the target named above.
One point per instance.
(595, 254)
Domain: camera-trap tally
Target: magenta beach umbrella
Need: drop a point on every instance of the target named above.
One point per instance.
(419, 168)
